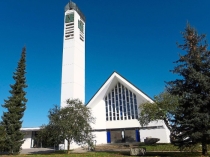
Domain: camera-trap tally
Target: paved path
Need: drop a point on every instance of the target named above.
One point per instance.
(47, 150)
(36, 151)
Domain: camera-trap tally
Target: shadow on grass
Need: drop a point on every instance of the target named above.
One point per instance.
(49, 152)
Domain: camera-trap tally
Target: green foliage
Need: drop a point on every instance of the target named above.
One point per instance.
(191, 123)
(15, 105)
(2, 138)
(162, 109)
(49, 135)
(71, 123)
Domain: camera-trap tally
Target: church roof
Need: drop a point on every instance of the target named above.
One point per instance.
(109, 85)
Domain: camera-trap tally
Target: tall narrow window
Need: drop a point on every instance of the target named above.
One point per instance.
(121, 104)
(106, 103)
(135, 106)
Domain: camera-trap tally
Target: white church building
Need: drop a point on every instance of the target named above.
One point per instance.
(115, 105)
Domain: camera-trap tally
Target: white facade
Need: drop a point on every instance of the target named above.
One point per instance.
(28, 137)
(73, 63)
(119, 114)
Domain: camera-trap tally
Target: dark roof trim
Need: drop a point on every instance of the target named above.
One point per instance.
(71, 5)
(124, 79)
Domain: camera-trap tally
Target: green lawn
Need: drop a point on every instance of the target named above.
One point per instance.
(103, 154)
(157, 150)
(168, 147)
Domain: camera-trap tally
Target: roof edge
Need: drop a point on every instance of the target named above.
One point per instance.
(124, 79)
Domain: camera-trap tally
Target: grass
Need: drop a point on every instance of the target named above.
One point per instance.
(115, 154)
(169, 147)
(157, 150)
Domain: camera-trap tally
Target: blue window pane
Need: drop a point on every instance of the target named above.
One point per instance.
(126, 91)
(135, 101)
(130, 94)
(119, 84)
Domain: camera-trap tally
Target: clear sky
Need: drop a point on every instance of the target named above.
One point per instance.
(136, 38)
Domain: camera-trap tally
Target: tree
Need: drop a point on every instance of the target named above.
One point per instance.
(2, 138)
(49, 135)
(161, 109)
(15, 105)
(73, 122)
(191, 123)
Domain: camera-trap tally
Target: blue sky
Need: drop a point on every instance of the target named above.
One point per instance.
(136, 38)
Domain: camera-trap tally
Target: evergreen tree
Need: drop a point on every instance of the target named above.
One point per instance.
(2, 138)
(191, 122)
(15, 105)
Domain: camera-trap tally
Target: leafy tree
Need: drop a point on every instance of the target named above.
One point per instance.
(49, 135)
(191, 123)
(72, 123)
(15, 105)
(161, 109)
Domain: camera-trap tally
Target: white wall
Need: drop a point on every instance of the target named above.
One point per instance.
(27, 138)
(100, 137)
(99, 113)
(122, 124)
(155, 133)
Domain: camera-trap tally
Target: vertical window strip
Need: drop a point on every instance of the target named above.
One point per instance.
(110, 110)
(106, 108)
(117, 103)
(128, 104)
(136, 107)
(113, 106)
(121, 104)
(120, 101)
(124, 103)
(131, 104)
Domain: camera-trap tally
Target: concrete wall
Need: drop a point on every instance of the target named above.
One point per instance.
(155, 133)
(98, 112)
(27, 138)
(100, 137)
(73, 64)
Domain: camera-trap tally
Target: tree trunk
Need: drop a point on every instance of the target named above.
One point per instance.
(204, 147)
(68, 147)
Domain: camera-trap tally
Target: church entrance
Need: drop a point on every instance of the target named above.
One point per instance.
(123, 135)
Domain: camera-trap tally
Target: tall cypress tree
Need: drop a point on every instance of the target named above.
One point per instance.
(15, 105)
(191, 123)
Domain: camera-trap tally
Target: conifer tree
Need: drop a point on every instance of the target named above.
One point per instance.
(191, 122)
(15, 106)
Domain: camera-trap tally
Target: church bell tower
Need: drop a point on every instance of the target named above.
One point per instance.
(73, 61)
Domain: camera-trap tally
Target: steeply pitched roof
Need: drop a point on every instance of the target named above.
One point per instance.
(109, 85)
